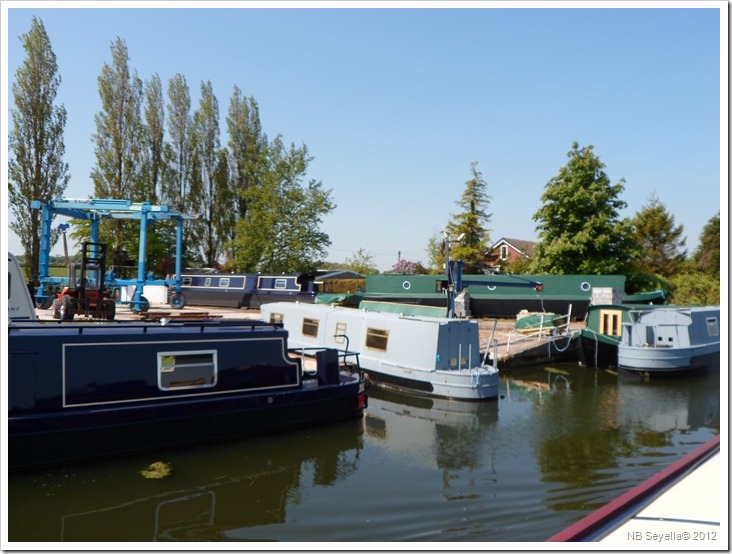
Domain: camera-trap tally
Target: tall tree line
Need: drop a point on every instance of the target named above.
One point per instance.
(249, 191)
(36, 169)
(581, 231)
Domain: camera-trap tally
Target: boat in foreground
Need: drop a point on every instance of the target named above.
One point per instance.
(671, 341)
(679, 507)
(430, 356)
(78, 391)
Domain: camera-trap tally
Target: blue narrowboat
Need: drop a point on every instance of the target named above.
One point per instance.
(82, 391)
(246, 290)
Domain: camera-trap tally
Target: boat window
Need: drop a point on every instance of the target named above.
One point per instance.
(377, 339)
(207, 282)
(276, 318)
(712, 326)
(310, 327)
(224, 282)
(340, 333)
(187, 369)
(610, 322)
(280, 284)
(186, 281)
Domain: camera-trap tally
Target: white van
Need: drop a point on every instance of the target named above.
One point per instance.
(20, 304)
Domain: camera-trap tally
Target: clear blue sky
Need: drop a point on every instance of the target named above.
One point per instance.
(395, 104)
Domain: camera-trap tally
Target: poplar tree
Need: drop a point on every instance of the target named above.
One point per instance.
(119, 136)
(153, 164)
(579, 225)
(247, 147)
(179, 148)
(210, 199)
(160, 243)
(118, 144)
(36, 170)
(471, 223)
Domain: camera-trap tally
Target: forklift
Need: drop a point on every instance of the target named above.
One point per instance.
(85, 293)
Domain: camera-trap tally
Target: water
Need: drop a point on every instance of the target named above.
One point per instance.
(559, 443)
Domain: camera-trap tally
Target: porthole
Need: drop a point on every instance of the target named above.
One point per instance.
(406, 285)
(585, 286)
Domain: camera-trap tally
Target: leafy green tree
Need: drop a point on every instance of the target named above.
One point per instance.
(361, 262)
(471, 222)
(36, 170)
(436, 254)
(661, 242)
(707, 256)
(517, 266)
(580, 229)
(281, 230)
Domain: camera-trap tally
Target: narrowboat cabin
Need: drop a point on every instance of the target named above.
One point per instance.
(671, 341)
(431, 356)
(600, 337)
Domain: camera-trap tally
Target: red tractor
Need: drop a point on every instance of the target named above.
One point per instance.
(86, 294)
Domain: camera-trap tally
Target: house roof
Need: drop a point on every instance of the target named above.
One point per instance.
(525, 247)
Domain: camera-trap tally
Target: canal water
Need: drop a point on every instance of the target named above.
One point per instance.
(560, 442)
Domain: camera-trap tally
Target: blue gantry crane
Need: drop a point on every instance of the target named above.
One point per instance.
(95, 210)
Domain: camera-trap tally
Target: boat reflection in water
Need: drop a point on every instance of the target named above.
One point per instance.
(211, 490)
(558, 443)
(442, 434)
(628, 426)
(650, 407)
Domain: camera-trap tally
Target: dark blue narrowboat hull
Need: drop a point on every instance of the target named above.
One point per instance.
(84, 391)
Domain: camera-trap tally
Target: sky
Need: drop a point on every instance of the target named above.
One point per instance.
(395, 101)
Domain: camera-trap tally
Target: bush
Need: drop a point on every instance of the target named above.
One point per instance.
(695, 288)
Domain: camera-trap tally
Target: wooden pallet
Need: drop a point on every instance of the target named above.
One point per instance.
(191, 316)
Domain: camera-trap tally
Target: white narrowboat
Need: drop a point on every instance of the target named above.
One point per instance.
(430, 356)
(673, 340)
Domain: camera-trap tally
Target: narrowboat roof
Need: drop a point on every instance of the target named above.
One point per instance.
(341, 274)
(569, 285)
(357, 312)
